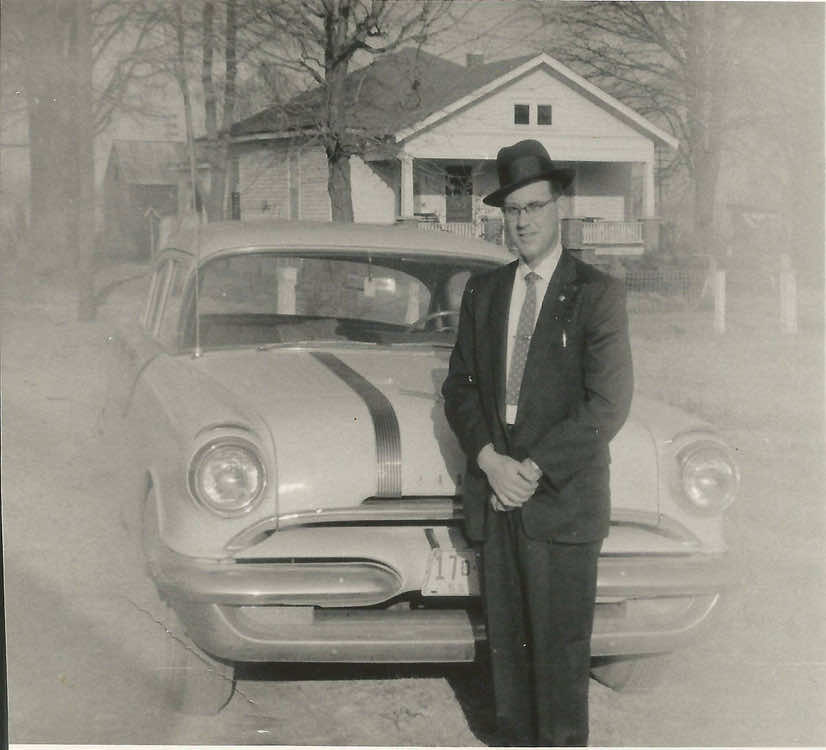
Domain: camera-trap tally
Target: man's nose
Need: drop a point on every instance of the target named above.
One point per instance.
(522, 219)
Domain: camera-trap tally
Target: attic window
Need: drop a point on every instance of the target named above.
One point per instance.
(543, 114)
(521, 114)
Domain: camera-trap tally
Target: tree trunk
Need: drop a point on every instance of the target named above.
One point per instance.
(218, 141)
(338, 187)
(335, 77)
(48, 83)
(183, 83)
(214, 202)
(706, 81)
(84, 215)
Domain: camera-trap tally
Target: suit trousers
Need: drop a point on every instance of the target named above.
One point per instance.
(539, 605)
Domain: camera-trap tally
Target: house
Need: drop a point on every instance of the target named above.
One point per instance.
(141, 185)
(431, 129)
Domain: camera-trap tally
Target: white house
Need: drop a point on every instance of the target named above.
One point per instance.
(434, 128)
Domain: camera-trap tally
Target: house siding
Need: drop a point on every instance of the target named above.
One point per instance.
(373, 191)
(602, 190)
(291, 182)
(315, 201)
(263, 181)
(582, 129)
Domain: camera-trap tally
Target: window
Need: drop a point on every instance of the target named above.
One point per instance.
(543, 114)
(359, 288)
(168, 329)
(521, 114)
(160, 280)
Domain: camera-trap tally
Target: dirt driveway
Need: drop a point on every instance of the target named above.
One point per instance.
(85, 640)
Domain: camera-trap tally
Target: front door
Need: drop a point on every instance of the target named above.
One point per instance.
(458, 195)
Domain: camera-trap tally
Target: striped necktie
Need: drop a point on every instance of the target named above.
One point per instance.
(524, 331)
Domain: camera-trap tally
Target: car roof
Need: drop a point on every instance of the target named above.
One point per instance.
(225, 237)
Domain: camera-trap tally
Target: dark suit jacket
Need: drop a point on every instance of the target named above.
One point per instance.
(576, 393)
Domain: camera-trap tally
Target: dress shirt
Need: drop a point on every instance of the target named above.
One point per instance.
(544, 269)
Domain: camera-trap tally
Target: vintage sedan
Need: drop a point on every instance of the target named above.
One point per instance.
(302, 492)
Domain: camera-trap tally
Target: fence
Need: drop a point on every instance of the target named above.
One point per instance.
(612, 232)
(463, 228)
(672, 284)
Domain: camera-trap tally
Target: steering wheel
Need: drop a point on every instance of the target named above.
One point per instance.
(422, 322)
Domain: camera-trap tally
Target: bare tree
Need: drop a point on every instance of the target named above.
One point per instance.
(204, 43)
(58, 53)
(780, 92)
(669, 61)
(217, 137)
(83, 217)
(322, 40)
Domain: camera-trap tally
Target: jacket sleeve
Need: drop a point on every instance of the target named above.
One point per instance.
(463, 402)
(608, 384)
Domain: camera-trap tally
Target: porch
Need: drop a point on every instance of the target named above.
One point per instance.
(601, 237)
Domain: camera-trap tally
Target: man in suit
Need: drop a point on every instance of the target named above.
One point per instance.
(540, 381)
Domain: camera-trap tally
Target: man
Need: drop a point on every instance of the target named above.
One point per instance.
(540, 381)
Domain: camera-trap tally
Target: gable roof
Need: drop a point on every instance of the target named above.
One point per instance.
(402, 93)
(147, 162)
(393, 92)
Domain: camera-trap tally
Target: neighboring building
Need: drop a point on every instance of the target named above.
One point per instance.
(140, 187)
(433, 129)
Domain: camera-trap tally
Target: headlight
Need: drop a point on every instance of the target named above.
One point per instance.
(709, 478)
(227, 476)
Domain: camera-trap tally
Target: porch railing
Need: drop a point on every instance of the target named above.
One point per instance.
(612, 232)
(631, 237)
(582, 234)
(464, 228)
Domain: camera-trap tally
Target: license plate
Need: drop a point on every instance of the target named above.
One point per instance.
(452, 565)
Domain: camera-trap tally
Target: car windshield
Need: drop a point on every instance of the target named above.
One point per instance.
(278, 298)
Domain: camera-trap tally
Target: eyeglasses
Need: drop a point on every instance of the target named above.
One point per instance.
(512, 211)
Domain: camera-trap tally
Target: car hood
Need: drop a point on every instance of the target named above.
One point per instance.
(347, 422)
(355, 422)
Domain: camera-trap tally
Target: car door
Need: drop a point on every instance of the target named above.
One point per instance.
(134, 344)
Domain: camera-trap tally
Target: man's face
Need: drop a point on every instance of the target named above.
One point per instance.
(532, 233)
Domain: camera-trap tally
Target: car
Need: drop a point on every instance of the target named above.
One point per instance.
(301, 491)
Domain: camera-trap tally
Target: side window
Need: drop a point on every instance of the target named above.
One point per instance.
(156, 292)
(168, 331)
(544, 114)
(521, 114)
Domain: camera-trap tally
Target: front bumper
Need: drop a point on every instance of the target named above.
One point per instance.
(267, 610)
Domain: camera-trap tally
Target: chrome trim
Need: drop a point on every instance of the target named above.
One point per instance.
(385, 424)
(645, 576)
(337, 583)
(336, 635)
(381, 511)
(421, 509)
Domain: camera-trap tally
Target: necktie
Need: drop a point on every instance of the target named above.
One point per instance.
(524, 330)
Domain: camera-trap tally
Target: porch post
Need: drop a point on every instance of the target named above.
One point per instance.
(406, 184)
(649, 208)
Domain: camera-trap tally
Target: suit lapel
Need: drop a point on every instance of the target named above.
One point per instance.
(498, 333)
(549, 327)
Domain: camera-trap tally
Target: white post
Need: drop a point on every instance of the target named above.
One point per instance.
(413, 302)
(718, 283)
(286, 290)
(406, 185)
(649, 208)
(788, 295)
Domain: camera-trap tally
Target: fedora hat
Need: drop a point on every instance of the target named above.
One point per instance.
(524, 162)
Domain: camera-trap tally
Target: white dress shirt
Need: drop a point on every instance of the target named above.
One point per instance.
(544, 269)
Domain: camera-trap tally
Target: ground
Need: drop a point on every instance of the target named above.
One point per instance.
(84, 635)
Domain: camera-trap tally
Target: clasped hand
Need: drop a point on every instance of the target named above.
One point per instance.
(513, 482)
